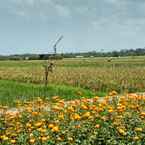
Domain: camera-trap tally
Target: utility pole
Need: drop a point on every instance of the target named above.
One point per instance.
(56, 43)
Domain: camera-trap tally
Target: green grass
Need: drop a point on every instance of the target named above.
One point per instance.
(10, 91)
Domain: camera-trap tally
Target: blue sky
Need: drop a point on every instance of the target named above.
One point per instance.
(32, 26)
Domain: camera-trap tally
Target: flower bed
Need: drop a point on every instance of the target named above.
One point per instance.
(111, 121)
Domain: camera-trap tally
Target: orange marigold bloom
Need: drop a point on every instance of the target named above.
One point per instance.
(55, 129)
(35, 113)
(95, 98)
(76, 116)
(78, 126)
(84, 107)
(97, 126)
(50, 126)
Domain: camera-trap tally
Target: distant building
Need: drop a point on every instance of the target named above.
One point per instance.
(79, 56)
(26, 58)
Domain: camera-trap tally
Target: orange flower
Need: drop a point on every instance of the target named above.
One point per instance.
(84, 107)
(76, 116)
(61, 116)
(35, 113)
(97, 126)
(121, 131)
(50, 126)
(55, 129)
(78, 126)
(95, 98)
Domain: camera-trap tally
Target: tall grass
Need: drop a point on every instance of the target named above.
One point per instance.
(10, 91)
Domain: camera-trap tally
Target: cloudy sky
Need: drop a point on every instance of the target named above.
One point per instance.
(32, 26)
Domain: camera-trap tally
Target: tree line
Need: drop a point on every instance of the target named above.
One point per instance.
(121, 53)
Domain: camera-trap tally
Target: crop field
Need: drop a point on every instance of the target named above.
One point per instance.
(87, 101)
(121, 74)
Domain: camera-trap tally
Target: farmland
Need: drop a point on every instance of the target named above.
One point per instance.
(92, 74)
(69, 109)
(96, 75)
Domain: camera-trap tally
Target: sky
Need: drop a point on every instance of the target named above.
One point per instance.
(33, 26)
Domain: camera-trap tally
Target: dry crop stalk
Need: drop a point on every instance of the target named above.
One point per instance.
(48, 68)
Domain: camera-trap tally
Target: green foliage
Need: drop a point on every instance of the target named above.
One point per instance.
(10, 91)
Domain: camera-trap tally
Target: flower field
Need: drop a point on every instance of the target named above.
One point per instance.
(109, 121)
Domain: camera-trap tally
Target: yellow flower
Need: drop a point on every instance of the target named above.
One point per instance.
(70, 109)
(38, 124)
(56, 108)
(31, 135)
(60, 139)
(76, 116)
(70, 139)
(142, 114)
(13, 141)
(42, 130)
(4, 137)
(61, 116)
(138, 129)
(56, 98)
(32, 140)
(113, 93)
(121, 131)
(86, 115)
(55, 129)
(28, 125)
(44, 138)
(29, 109)
(136, 138)
(110, 110)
